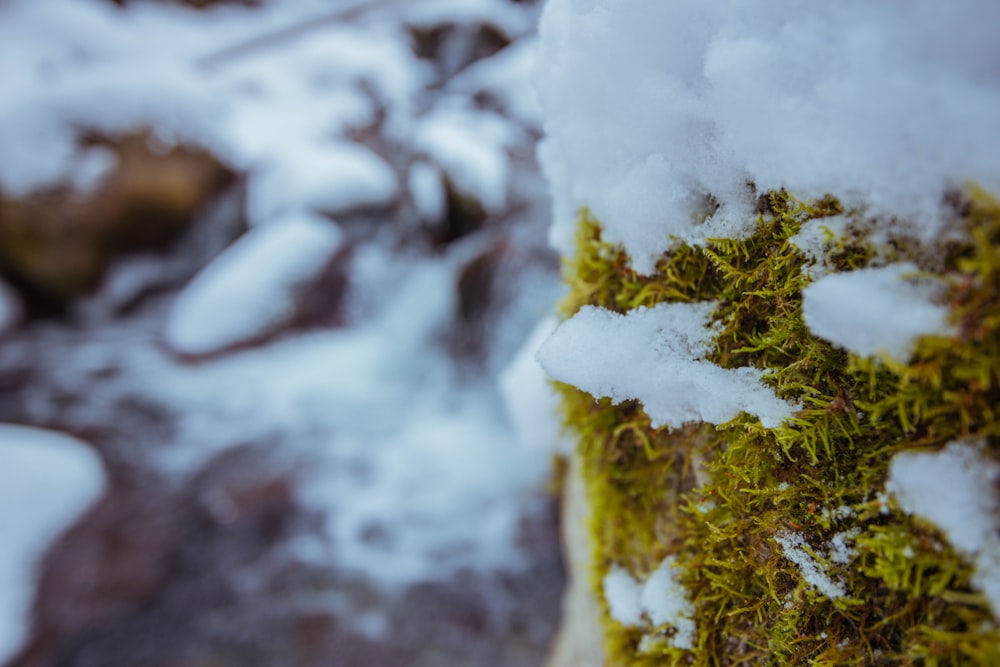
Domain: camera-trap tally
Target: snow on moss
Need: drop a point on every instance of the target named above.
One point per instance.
(657, 355)
(651, 106)
(955, 489)
(874, 311)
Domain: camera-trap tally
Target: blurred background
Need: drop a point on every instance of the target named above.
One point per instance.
(265, 271)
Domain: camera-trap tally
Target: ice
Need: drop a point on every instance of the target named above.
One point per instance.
(47, 480)
(875, 311)
(955, 489)
(252, 288)
(657, 355)
(649, 107)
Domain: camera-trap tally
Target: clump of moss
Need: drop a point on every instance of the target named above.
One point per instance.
(721, 499)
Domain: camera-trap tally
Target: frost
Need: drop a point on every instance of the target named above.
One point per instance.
(793, 546)
(656, 355)
(955, 489)
(874, 311)
(251, 288)
(650, 106)
(47, 480)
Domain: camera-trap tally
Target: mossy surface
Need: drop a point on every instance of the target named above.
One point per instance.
(719, 498)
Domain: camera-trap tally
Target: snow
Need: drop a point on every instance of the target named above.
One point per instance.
(656, 355)
(334, 179)
(666, 602)
(955, 489)
(531, 402)
(649, 107)
(660, 599)
(47, 480)
(794, 546)
(875, 311)
(251, 288)
(622, 593)
(471, 149)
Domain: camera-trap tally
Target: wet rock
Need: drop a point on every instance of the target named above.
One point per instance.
(56, 244)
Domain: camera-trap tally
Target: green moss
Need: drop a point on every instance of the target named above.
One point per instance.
(719, 497)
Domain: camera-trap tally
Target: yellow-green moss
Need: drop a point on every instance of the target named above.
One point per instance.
(717, 497)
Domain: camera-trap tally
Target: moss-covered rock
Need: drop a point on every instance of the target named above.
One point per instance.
(784, 540)
(55, 244)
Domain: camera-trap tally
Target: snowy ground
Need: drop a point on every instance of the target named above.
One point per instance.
(384, 409)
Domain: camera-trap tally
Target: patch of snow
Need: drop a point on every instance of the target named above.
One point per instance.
(656, 355)
(47, 480)
(427, 191)
(955, 489)
(659, 600)
(471, 147)
(508, 77)
(650, 107)
(793, 545)
(874, 311)
(333, 178)
(532, 404)
(665, 601)
(623, 593)
(841, 551)
(251, 288)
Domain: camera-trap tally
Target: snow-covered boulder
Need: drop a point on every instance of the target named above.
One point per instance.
(253, 288)
(47, 480)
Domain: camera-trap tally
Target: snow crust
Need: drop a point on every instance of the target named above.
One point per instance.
(251, 288)
(656, 355)
(47, 480)
(649, 107)
(955, 489)
(660, 599)
(874, 311)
